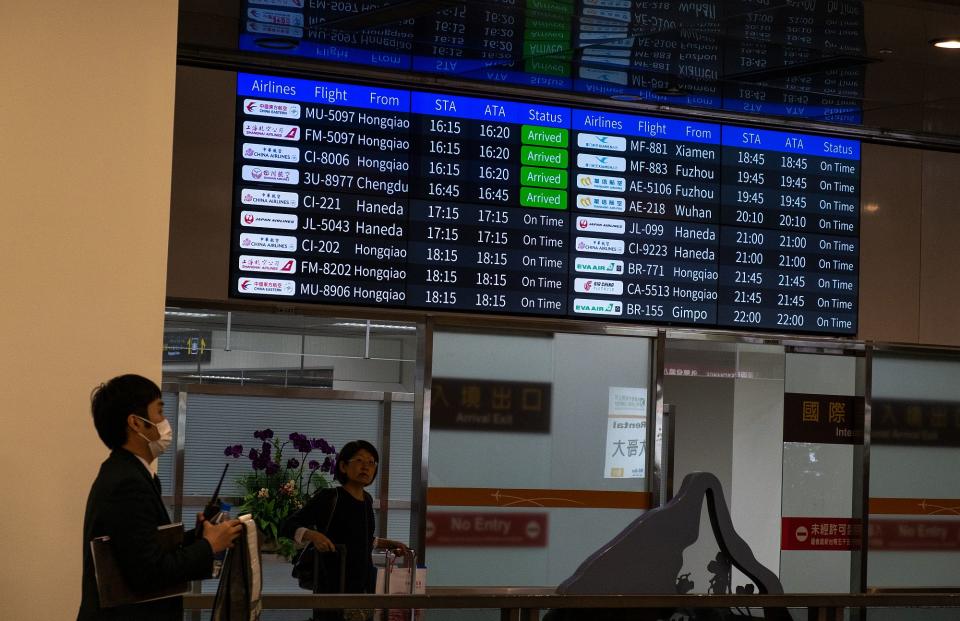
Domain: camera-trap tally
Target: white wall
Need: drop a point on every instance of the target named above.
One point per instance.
(86, 125)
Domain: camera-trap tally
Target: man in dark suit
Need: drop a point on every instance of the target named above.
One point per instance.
(125, 504)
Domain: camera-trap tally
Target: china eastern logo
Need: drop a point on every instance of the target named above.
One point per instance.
(609, 226)
(599, 142)
(597, 286)
(601, 162)
(273, 131)
(265, 286)
(598, 266)
(599, 182)
(597, 307)
(613, 204)
(254, 263)
(276, 109)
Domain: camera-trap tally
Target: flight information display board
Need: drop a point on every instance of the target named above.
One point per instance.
(362, 195)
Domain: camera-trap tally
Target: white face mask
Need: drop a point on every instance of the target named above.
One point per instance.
(161, 444)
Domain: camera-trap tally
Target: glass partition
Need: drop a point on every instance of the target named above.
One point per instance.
(537, 453)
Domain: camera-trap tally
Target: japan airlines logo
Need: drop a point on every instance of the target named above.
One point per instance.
(597, 286)
(601, 225)
(600, 245)
(601, 162)
(597, 307)
(269, 198)
(254, 263)
(261, 286)
(269, 220)
(276, 109)
(289, 176)
(272, 131)
(598, 266)
(601, 203)
(253, 151)
(600, 142)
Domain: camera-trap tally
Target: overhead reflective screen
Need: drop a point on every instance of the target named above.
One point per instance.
(361, 195)
(801, 59)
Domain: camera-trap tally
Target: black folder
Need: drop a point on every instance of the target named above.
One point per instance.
(111, 586)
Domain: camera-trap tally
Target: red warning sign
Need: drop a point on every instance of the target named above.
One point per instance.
(509, 530)
(826, 534)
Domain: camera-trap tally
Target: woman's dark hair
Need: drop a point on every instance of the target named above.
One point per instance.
(113, 401)
(347, 451)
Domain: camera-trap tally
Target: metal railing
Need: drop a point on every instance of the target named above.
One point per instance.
(525, 604)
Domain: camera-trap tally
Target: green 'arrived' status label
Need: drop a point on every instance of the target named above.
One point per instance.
(544, 199)
(543, 156)
(543, 177)
(544, 136)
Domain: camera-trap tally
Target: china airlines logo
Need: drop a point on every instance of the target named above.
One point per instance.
(599, 244)
(269, 198)
(253, 151)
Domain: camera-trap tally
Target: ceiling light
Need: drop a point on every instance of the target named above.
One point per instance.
(948, 43)
(190, 315)
(388, 326)
(871, 208)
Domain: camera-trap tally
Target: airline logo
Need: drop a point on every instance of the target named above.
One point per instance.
(598, 182)
(273, 29)
(601, 142)
(597, 286)
(598, 266)
(252, 151)
(601, 225)
(254, 263)
(277, 18)
(272, 131)
(601, 203)
(263, 286)
(274, 243)
(597, 307)
(596, 244)
(292, 4)
(268, 198)
(277, 109)
(602, 75)
(610, 4)
(601, 162)
(264, 174)
(268, 220)
(616, 16)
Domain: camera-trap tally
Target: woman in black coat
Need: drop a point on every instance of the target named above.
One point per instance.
(344, 515)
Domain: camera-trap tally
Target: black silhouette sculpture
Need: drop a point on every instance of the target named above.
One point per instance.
(647, 556)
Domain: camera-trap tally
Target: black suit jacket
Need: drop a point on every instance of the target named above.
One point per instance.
(125, 504)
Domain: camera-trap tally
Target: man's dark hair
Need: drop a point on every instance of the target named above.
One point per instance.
(347, 451)
(113, 401)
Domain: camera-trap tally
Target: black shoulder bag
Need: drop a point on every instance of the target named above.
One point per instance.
(315, 575)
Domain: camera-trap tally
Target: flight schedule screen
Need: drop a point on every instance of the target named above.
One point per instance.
(370, 196)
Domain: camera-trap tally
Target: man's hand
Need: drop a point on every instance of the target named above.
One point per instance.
(221, 536)
(397, 547)
(319, 541)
